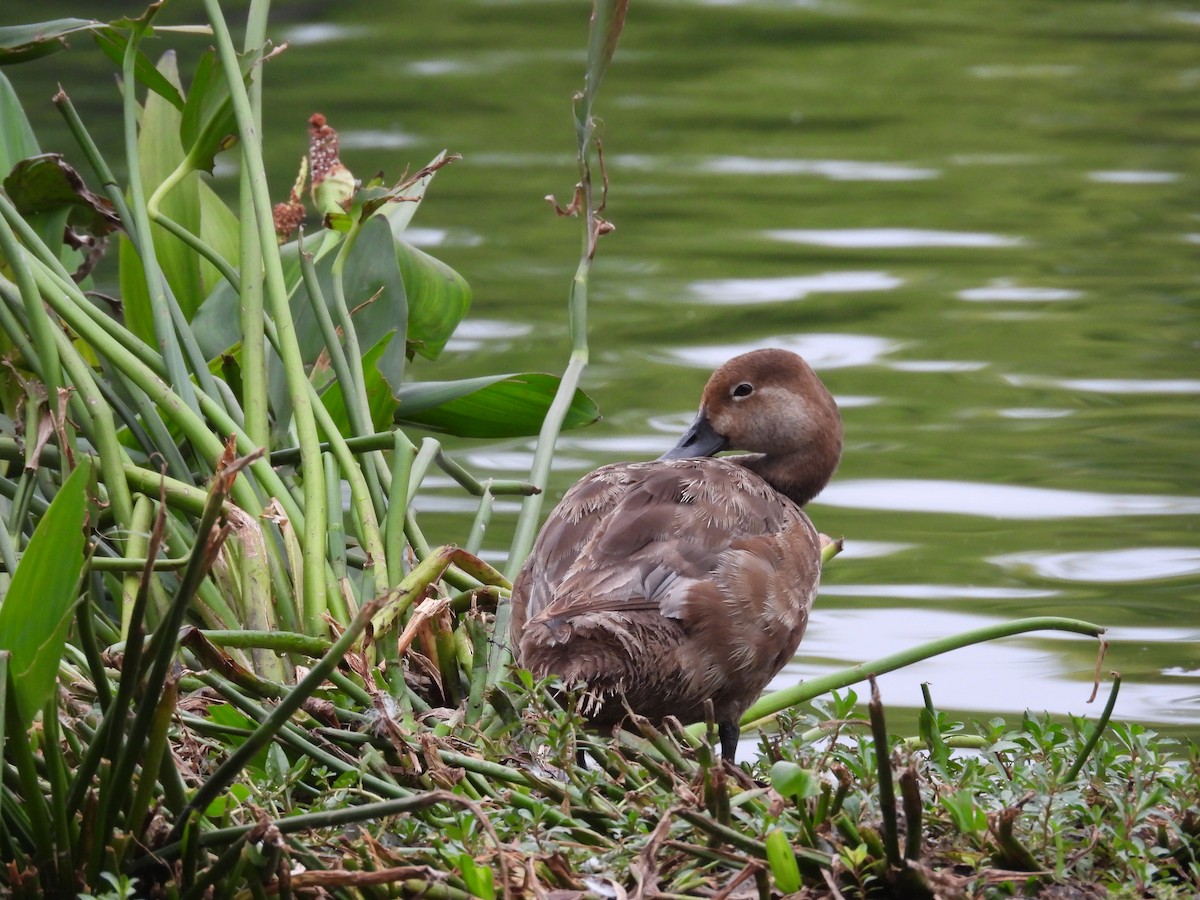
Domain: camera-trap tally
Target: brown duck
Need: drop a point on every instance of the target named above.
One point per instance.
(662, 585)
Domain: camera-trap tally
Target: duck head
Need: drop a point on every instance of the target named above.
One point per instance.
(772, 404)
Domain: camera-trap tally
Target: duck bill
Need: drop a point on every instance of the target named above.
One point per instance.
(701, 439)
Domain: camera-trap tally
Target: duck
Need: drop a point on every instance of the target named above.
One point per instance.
(684, 584)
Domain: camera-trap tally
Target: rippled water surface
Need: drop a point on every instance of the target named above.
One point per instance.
(978, 221)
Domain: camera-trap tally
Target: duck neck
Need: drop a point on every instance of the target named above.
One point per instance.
(799, 476)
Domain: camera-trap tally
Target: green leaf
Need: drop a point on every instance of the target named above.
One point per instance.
(17, 141)
(438, 299)
(21, 43)
(221, 229)
(792, 780)
(5, 663)
(36, 613)
(45, 183)
(113, 42)
(209, 124)
(608, 21)
(479, 879)
(495, 406)
(782, 861)
(380, 401)
(160, 153)
(375, 296)
(217, 325)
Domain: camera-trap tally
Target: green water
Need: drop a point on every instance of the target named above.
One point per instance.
(978, 221)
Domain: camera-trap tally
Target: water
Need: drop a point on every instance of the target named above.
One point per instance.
(978, 221)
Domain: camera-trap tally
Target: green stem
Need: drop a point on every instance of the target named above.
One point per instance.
(402, 459)
(41, 328)
(108, 180)
(156, 284)
(1094, 737)
(769, 705)
(278, 641)
(254, 358)
(236, 761)
(314, 600)
(394, 440)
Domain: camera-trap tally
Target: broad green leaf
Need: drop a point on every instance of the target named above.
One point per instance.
(478, 879)
(209, 125)
(438, 299)
(20, 43)
(17, 141)
(782, 860)
(496, 406)
(36, 613)
(221, 229)
(135, 299)
(792, 780)
(379, 396)
(45, 183)
(5, 662)
(113, 42)
(217, 325)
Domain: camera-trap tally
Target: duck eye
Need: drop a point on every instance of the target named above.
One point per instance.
(743, 390)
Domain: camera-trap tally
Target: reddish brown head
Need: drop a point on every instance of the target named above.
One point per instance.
(770, 402)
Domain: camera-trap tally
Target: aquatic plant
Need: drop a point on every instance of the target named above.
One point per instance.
(219, 676)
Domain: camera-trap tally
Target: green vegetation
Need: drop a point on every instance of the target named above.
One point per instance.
(232, 665)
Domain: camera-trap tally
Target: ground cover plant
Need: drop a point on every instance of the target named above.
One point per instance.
(231, 664)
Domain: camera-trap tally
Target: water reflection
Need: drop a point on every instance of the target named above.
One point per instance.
(319, 33)
(856, 549)
(823, 351)
(938, 365)
(1005, 291)
(999, 501)
(1035, 412)
(377, 140)
(889, 238)
(1133, 177)
(521, 461)
(474, 334)
(441, 237)
(1108, 566)
(933, 592)
(833, 169)
(1111, 385)
(734, 291)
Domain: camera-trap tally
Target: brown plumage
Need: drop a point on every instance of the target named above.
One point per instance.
(690, 578)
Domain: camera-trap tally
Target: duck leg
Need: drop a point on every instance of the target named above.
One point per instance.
(729, 732)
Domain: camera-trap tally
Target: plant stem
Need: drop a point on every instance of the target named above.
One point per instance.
(314, 600)
(236, 761)
(767, 706)
(156, 284)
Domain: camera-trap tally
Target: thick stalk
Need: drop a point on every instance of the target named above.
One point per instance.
(254, 358)
(40, 327)
(289, 349)
(160, 298)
